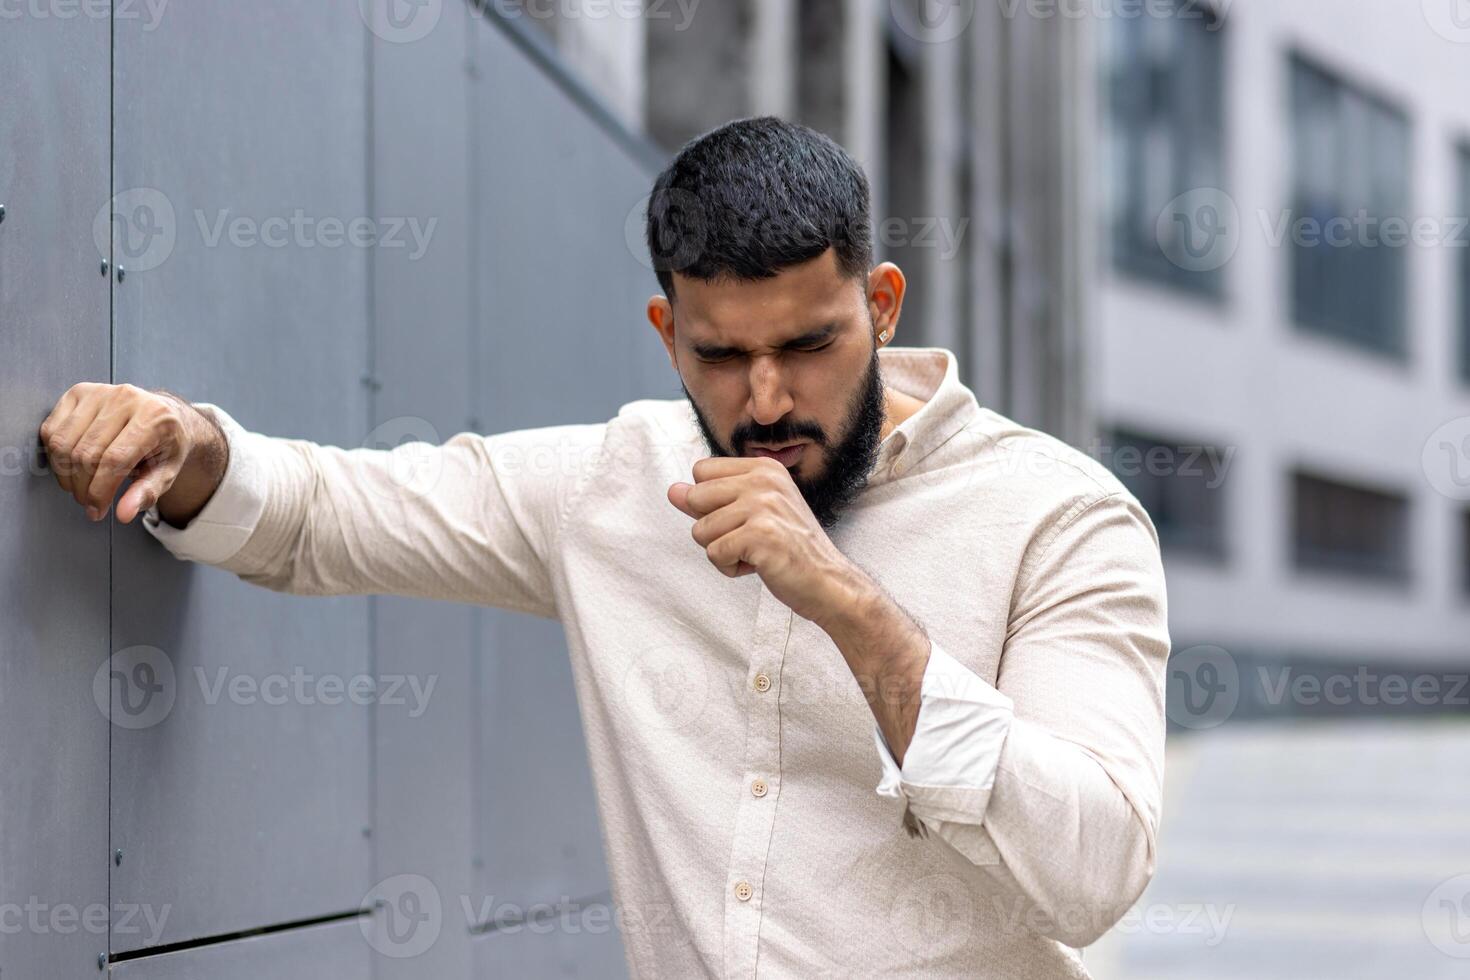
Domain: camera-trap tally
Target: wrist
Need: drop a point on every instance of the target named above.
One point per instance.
(202, 469)
(868, 627)
(852, 595)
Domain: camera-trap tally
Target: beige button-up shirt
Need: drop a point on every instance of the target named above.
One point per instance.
(754, 822)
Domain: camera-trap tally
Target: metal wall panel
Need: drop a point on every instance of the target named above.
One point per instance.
(240, 166)
(560, 240)
(425, 744)
(578, 940)
(240, 798)
(337, 951)
(563, 274)
(540, 831)
(54, 574)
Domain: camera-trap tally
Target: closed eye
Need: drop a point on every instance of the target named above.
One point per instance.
(799, 350)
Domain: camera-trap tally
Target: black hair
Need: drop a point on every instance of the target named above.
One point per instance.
(754, 196)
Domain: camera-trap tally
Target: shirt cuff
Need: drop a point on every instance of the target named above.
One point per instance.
(230, 516)
(949, 768)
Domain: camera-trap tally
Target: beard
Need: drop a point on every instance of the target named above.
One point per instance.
(846, 464)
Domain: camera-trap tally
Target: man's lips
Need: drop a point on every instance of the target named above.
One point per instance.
(787, 456)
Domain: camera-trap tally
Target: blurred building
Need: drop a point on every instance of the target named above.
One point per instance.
(1120, 215)
(1281, 321)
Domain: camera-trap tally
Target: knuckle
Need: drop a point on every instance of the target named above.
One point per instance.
(164, 413)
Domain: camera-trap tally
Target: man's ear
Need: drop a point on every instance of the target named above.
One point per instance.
(886, 287)
(661, 315)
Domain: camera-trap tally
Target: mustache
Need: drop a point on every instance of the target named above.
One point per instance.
(777, 437)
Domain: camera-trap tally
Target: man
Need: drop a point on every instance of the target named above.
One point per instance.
(872, 677)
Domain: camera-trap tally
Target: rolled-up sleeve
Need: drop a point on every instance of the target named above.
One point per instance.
(473, 519)
(949, 768)
(1050, 780)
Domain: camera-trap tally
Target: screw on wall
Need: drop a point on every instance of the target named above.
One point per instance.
(117, 857)
(101, 961)
(104, 268)
(2, 214)
(120, 273)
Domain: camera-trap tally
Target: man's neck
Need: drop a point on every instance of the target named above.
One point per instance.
(897, 407)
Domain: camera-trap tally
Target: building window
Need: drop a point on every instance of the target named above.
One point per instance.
(1179, 484)
(1465, 552)
(1164, 77)
(1340, 527)
(1464, 254)
(1350, 176)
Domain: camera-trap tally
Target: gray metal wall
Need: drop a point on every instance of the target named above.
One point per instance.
(192, 782)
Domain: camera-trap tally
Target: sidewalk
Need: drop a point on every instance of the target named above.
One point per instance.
(1309, 850)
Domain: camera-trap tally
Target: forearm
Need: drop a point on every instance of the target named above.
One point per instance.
(886, 650)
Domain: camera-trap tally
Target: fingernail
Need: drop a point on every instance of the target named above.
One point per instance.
(92, 513)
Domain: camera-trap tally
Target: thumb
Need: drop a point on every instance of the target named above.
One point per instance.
(679, 497)
(152, 482)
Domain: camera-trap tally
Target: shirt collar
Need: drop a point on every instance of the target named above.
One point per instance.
(932, 374)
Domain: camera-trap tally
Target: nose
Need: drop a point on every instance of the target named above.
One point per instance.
(769, 399)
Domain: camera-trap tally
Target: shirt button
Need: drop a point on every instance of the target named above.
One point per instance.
(762, 683)
(743, 891)
(759, 787)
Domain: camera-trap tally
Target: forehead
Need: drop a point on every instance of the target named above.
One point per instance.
(799, 297)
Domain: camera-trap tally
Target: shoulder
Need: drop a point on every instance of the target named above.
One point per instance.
(1051, 481)
(648, 429)
(641, 431)
(1039, 461)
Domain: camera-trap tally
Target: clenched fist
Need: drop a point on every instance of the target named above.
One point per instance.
(749, 517)
(98, 435)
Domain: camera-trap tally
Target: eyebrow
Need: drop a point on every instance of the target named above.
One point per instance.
(716, 351)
